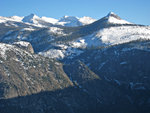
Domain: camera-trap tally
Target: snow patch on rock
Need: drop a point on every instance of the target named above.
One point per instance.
(57, 30)
(3, 49)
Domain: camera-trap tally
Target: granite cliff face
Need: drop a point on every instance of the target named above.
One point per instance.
(24, 73)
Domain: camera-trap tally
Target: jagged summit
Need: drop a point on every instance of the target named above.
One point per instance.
(112, 14)
(115, 19)
(70, 21)
(30, 18)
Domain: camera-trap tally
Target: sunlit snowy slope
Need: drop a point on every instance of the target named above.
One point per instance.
(69, 36)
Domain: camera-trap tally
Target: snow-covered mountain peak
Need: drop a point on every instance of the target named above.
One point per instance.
(75, 21)
(86, 20)
(70, 21)
(12, 18)
(115, 19)
(112, 14)
(16, 18)
(30, 18)
(68, 18)
(50, 20)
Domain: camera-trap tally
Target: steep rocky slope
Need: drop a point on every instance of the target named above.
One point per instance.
(126, 67)
(23, 73)
(32, 83)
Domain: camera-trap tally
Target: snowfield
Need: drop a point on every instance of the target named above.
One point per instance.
(86, 20)
(13, 18)
(112, 36)
(118, 35)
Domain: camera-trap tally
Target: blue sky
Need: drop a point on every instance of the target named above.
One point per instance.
(136, 11)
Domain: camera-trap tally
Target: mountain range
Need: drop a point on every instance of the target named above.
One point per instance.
(70, 21)
(74, 65)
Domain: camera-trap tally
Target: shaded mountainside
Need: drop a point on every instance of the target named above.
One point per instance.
(23, 73)
(31, 83)
(125, 66)
(35, 84)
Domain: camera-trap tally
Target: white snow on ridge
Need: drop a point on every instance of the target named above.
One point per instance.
(17, 18)
(62, 46)
(3, 19)
(80, 43)
(8, 47)
(116, 21)
(50, 20)
(70, 21)
(106, 36)
(53, 53)
(22, 43)
(27, 29)
(86, 41)
(3, 49)
(117, 35)
(33, 20)
(86, 20)
(57, 30)
(112, 36)
(61, 53)
(75, 21)
(13, 18)
(113, 18)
